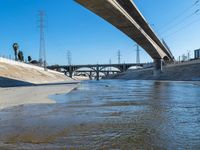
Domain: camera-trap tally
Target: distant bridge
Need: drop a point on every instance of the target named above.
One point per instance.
(125, 16)
(92, 73)
(97, 68)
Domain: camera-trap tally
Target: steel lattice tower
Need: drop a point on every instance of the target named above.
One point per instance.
(119, 56)
(138, 55)
(69, 58)
(42, 51)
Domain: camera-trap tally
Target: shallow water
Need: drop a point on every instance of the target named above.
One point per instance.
(108, 114)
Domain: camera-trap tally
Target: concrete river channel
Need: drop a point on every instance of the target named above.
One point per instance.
(108, 114)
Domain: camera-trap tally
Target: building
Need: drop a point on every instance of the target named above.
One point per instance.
(197, 53)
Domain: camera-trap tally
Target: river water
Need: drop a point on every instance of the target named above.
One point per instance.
(109, 114)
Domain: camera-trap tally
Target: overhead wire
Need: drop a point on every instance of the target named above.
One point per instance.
(196, 12)
(180, 21)
(180, 15)
(186, 26)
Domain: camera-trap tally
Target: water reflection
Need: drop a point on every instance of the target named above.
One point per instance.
(109, 115)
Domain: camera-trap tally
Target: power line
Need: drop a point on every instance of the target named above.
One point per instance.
(197, 2)
(180, 21)
(186, 26)
(179, 15)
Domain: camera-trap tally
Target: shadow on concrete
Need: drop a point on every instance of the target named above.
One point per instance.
(7, 82)
(58, 83)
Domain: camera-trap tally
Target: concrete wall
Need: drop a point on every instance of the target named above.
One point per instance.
(188, 71)
(14, 73)
(17, 63)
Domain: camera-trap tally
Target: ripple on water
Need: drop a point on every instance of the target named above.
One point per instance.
(109, 115)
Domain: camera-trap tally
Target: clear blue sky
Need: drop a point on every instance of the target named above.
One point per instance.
(90, 39)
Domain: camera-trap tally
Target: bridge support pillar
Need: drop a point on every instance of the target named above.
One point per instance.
(70, 72)
(97, 71)
(90, 75)
(107, 73)
(123, 68)
(157, 67)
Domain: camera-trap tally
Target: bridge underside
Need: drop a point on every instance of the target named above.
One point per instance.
(125, 16)
(97, 68)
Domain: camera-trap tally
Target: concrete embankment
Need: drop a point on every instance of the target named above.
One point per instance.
(14, 73)
(187, 71)
(15, 96)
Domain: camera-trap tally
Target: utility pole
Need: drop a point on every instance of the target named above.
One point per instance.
(138, 54)
(42, 51)
(119, 57)
(110, 62)
(188, 55)
(69, 58)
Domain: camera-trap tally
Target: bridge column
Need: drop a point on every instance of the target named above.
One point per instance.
(97, 71)
(70, 72)
(90, 75)
(157, 67)
(107, 73)
(65, 72)
(124, 67)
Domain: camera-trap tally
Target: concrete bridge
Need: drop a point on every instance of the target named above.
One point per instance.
(97, 68)
(125, 16)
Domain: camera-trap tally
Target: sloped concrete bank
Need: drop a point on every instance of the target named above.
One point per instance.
(19, 96)
(14, 73)
(22, 84)
(187, 71)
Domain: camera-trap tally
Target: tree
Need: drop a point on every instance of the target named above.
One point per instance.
(21, 56)
(15, 48)
(29, 59)
(184, 57)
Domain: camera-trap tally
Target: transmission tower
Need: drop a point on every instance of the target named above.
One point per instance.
(188, 55)
(110, 62)
(69, 57)
(119, 57)
(138, 55)
(42, 51)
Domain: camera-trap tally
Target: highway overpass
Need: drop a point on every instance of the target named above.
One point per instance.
(124, 15)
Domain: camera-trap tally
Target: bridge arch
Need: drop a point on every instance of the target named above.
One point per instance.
(89, 69)
(134, 67)
(111, 67)
(87, 74)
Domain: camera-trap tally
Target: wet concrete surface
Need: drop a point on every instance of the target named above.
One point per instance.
(108, 115)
